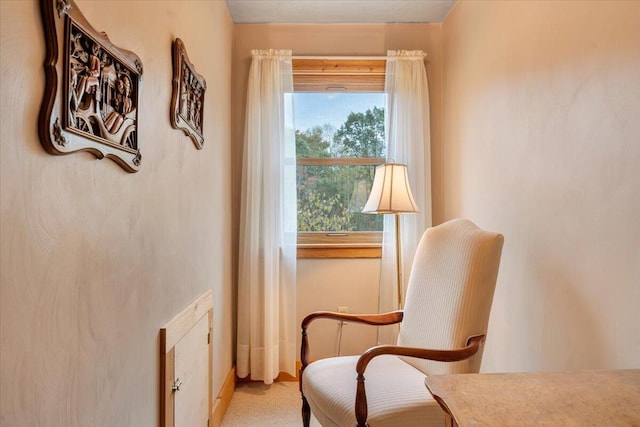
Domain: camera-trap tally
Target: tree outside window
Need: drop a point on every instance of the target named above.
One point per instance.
(335, 173)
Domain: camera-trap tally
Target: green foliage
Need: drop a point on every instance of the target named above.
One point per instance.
(362, 135)
(310, 143)
(320, 212)
(330, 197)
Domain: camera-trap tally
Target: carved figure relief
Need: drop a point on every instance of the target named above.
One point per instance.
(93, 85)
(187, 100)
(101, 93)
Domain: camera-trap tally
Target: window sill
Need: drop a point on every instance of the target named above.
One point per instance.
(360, 244)
(335, 251)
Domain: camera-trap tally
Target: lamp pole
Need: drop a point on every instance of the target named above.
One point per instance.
(399, 261)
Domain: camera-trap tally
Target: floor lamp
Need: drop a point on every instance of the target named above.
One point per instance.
(391, 194)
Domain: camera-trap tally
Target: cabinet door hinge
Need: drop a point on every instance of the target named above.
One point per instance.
(209, 338)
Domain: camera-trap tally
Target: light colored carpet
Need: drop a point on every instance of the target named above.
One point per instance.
(257, 404)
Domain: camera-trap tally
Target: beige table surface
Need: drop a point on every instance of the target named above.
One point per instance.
(583, 398)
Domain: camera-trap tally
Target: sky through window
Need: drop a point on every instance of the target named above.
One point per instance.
(316, 109)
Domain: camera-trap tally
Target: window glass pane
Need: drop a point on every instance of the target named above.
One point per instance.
(339, 124)
(345, 127)
(331, 198)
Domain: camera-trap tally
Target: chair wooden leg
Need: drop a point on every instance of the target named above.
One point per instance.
(362, 410)
(306, 412)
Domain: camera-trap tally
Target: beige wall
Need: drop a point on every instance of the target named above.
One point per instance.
(327, 284)
(95, 260)
(541, 141)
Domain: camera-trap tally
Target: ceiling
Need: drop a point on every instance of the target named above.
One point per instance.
(338, 11)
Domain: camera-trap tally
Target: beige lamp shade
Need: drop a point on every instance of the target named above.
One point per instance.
(390, 193)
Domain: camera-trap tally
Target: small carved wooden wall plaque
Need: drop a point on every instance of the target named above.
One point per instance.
(187, 100)
(92, 89)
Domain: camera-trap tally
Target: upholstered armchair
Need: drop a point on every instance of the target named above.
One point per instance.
(442, 331)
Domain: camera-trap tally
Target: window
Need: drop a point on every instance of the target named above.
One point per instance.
(340, 139)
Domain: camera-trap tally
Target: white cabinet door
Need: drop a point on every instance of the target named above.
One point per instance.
(191, 403)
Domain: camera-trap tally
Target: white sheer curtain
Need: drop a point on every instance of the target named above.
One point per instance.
(267, 250)
(408, 141)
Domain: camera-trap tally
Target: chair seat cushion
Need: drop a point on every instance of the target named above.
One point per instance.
(396, 393)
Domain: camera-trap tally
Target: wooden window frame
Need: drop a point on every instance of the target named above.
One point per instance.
(339, 75)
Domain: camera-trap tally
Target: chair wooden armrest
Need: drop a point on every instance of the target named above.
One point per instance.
(380, 319)
(472, 346)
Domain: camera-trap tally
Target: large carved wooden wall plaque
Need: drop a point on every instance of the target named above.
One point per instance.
(187, 100)
(92, 89)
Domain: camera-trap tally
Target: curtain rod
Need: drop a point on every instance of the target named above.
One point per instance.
(331, 58)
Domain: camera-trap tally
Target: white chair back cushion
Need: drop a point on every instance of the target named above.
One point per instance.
(450, 292)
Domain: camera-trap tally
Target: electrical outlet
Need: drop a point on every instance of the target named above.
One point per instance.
(342, 310)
